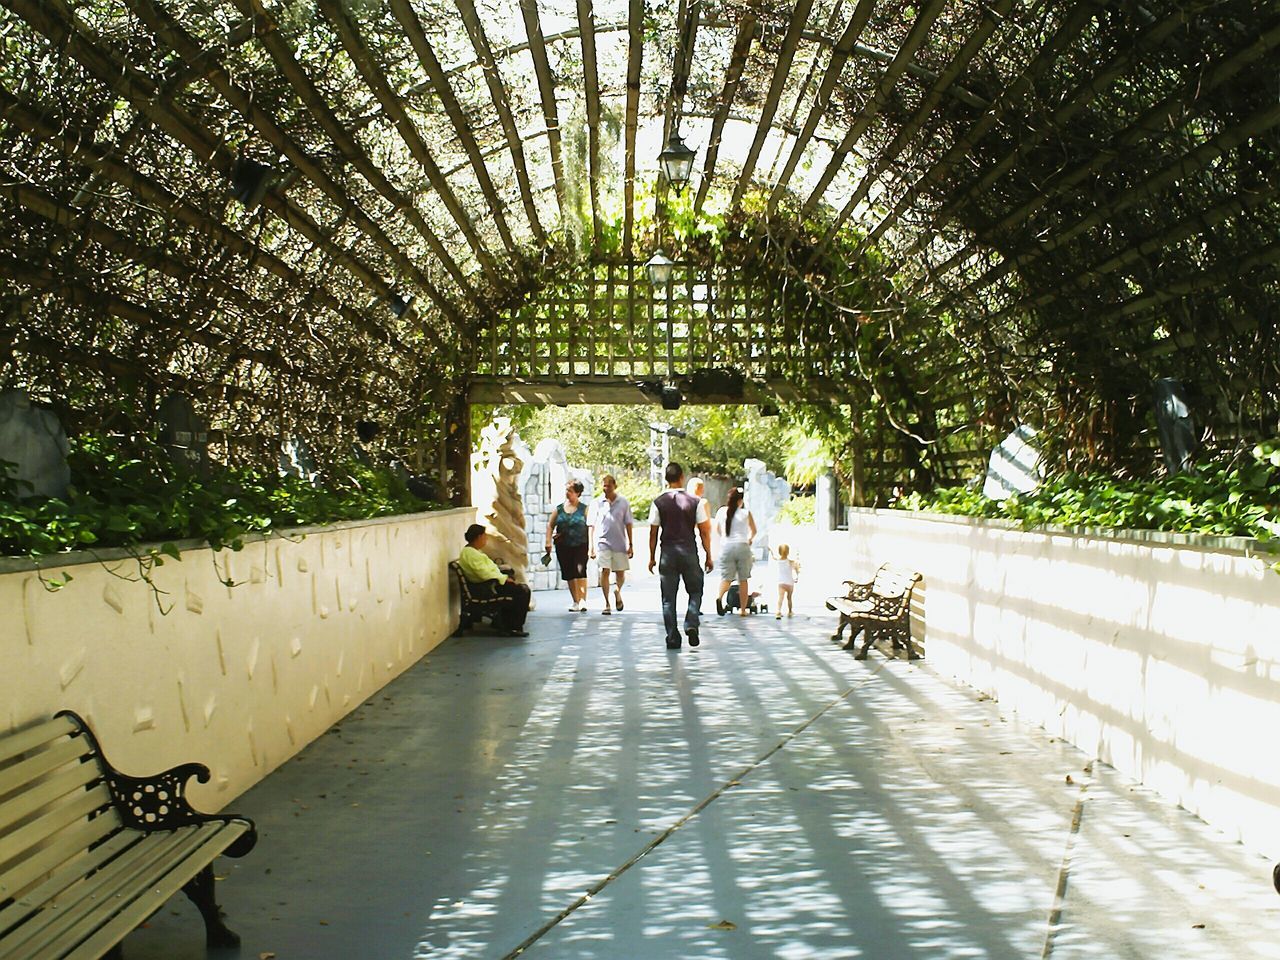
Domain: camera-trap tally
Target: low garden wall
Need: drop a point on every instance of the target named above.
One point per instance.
(239, 678)
(1157, 653)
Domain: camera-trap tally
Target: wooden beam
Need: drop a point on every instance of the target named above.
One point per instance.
(591, 92)
(915, 38)
(840, 55)
(1078, 16)
(546, 91)
(681, 61)
(1198, 223)
(992, 16)
(408, 20)
(732, 77)
(1148, 189)
(498, 94)
(635, 55)
(283, 56)
(1169, 114)
(799, 18)
(1083, 95)
(140, 91)
(171, 33)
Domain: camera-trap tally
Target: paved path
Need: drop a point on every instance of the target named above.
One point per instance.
(763, 796)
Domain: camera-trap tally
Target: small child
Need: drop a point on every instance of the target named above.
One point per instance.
(785, 570)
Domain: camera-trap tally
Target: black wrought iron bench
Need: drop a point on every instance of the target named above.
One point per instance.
(879, 608)
(88, 853)
(478, 601)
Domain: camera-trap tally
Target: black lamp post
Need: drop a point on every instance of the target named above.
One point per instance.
(658, 268)
(676, 160)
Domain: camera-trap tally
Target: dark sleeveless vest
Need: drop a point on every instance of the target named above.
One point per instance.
(678, 511)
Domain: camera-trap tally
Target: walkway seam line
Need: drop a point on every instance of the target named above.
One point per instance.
(1064, 871)
(702, 805)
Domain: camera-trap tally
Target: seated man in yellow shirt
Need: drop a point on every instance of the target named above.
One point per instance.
(478, 567)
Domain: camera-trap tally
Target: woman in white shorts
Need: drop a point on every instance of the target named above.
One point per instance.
(737, 529)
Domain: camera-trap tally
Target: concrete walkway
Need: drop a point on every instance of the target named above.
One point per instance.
(763, 796)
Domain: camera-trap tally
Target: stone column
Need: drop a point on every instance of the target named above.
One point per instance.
(499, 465)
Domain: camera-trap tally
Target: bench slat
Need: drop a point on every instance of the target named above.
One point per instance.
(25, 740)
(48, 759)
(154, 898)
(131, 903)
(24, 838)
(131, 864)
(67, 846)
(62, 879)
(22, 805)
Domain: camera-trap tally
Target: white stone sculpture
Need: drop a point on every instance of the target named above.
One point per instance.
(495, 473)
(33, 442)
(1015, 466)
(542, 485)
(764, 495)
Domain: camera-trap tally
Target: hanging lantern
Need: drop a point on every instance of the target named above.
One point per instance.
(676, 161)
(659, 269)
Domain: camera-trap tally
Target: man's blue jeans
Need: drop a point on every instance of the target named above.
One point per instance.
(674, 566)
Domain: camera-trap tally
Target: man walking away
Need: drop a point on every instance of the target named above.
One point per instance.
(678, 513)
(610, 537)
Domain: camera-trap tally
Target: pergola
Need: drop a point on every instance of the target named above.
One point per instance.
(936, 218)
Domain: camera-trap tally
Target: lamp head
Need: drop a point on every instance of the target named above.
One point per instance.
(676, 160)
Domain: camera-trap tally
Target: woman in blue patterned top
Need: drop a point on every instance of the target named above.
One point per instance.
(567, 529)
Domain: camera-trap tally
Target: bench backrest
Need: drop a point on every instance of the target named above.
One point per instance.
(468, 589)
(54, 805)
(894, 581)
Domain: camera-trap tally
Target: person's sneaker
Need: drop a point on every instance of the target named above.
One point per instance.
(719, 607)
(518, 632)
(673, 642)
(692, 634)
(605, 612)
(777, 616)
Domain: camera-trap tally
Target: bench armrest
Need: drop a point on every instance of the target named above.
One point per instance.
(858, 590)
(159, 802)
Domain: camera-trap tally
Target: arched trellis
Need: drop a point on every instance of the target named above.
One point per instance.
(1080, 193)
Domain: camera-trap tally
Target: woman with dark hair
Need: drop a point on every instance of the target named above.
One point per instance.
(567, 529)
(737, 529)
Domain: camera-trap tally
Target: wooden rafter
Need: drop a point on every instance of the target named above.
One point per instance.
(915, 38)
(405, 15)
(799, 17)
(546, 91)
(1170, 113)
(991, 18)
(375, 79)
(283, 56)
(591, 93)
(733, 76)
(681, 64)
(802, 92)
(1194, 224)
(1084, 94)
(635, 55)
(502, 105)
(1148, 189)
(139, 90)
(1077, 18)
(171, 32)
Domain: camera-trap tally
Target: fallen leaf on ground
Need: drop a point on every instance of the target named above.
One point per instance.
(723, 925)
(266, 955)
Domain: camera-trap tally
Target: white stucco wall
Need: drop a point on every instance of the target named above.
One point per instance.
(1160, 658)
(238, 678)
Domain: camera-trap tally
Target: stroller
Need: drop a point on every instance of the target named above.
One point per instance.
(732, 602)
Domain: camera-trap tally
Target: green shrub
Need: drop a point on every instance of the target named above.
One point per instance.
(1224, 498)
(126, 495)
(799, 511)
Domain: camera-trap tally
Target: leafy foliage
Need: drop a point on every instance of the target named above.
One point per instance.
(1222, 499)
(801, 511)
(126, 494)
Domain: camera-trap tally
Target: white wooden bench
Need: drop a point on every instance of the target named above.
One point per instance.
(88, 853)
(880, 607)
